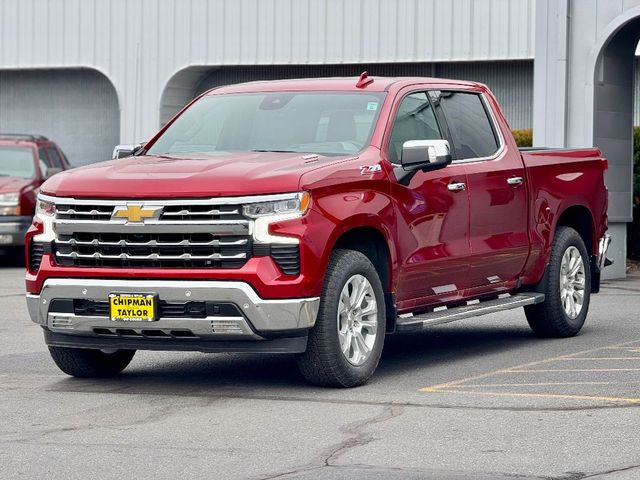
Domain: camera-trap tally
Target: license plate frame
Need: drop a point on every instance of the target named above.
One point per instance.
(133, 307)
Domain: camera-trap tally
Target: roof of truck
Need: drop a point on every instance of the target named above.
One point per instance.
(376, 84)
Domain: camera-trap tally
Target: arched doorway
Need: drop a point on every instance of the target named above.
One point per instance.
(613, 122)
(75, 107)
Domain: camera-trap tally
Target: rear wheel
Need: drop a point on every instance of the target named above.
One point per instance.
(90, 363)
(346, 342)
(567, 288)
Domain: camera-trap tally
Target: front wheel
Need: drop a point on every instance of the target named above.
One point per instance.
(346, 342)
(567, 288)
(90, 363)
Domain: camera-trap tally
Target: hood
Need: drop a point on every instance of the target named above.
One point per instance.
(186, 175)
(14, 184)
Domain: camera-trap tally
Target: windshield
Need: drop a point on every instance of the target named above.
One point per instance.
(17, 162)
(328, 123)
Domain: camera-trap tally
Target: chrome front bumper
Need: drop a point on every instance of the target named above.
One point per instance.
(13, 229)
(603, 246)
(260, 318)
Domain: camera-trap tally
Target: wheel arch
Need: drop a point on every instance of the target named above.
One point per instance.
(373, 242)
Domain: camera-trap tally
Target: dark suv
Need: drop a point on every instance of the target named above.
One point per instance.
(25, 162)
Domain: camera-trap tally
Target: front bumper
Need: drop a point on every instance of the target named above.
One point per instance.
(258, 320)
(13, 230)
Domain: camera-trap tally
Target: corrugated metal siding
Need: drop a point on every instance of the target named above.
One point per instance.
(512, 82)
(78, 109)
(141, 44)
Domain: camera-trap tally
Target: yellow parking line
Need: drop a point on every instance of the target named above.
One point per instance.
(541, 384)
(577, 370)
(603, 358)
(542, 395)
(436, 387)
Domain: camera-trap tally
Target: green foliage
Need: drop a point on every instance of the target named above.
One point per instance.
(523, 137)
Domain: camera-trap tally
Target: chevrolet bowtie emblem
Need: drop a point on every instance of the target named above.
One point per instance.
(136, 213)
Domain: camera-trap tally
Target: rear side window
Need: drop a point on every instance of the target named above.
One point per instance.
(469, 125)
(415, 120)
(56, 161)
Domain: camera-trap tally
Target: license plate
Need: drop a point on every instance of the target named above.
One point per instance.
(132, 307)
(6, 239)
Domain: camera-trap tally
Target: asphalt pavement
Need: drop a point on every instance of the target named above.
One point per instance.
(476, 399)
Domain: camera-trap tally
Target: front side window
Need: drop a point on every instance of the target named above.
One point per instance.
(328, 123)
(17, 162)
(469, 125)
(415, 120)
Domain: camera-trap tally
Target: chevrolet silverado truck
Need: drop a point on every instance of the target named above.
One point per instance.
(26, 161)
(314, 217)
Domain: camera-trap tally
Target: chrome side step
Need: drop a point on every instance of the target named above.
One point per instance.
(446, 315)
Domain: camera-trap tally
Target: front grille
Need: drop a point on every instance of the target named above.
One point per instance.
(93, 308)
(287, 257)
(190, 250)
(36, 251)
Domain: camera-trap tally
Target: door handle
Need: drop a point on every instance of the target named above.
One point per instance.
(456, 187)
(515, 181)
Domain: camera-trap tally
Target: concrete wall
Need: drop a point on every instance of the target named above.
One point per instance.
(78, 109)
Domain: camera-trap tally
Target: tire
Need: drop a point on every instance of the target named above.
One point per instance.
(90, 363)
(553, 318)
(337, 324)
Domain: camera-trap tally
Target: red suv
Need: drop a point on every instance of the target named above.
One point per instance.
(25, 162)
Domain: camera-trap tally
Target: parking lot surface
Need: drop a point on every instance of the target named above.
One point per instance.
(476, 399)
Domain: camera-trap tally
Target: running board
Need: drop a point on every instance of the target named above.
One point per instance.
(446, 315)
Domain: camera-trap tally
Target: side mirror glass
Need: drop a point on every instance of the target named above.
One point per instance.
(425, 155)
(127, 150)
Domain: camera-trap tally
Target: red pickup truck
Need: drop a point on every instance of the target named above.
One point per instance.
(314, 217)
(25, 162)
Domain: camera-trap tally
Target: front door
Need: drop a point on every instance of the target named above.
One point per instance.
(433, 215)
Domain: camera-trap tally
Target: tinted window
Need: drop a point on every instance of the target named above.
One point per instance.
(45, 163)
(56, 161)
(469, 125)
(415, 120)
(16, 162)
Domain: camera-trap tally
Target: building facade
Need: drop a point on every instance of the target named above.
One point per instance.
(94, 73)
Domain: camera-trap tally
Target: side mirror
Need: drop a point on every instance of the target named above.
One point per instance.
(425, 155)
(127, 150)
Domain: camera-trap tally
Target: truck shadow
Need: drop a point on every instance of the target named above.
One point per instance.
(250, 374)
(12, 257)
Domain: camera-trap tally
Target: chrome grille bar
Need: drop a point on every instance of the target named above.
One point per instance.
(152, 256)
(216, 227)
(153, 243)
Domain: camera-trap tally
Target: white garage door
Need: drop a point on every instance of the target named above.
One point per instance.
(76, 108)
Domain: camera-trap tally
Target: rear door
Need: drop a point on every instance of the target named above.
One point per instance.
(497, 189)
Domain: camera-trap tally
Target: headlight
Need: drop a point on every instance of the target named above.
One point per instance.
(281, 208)
(10, 203)
(296, 203)
(44, 208)
(45, 211)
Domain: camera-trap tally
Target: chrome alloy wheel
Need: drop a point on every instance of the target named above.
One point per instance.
(357, 319)
(572, 282)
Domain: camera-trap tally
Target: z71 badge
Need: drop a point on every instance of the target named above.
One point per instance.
(369, 169)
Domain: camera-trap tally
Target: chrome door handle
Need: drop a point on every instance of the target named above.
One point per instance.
(456, 187)
(515, 180)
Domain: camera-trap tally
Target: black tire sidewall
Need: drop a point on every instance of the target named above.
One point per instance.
(343, 265)
(568, 237)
